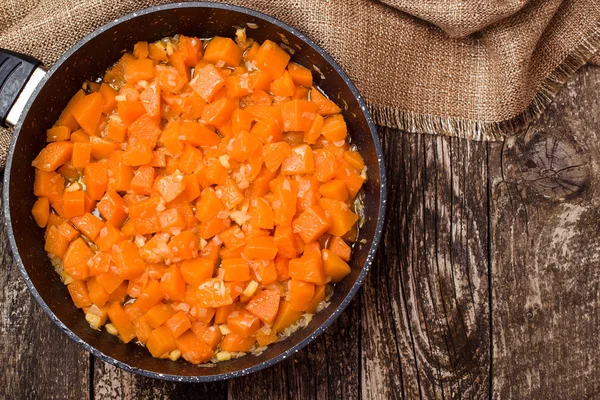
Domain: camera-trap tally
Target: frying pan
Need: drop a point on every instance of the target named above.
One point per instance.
(32, 100)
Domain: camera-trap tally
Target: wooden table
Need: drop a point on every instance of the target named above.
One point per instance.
(486, 284)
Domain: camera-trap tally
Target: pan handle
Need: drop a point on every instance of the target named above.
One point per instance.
(19, 75)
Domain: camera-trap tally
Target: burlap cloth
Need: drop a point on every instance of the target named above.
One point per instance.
(477, 69)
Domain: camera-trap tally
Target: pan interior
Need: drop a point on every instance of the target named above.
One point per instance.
(87, 61)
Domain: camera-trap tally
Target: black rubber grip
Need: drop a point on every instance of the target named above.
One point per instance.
(15, 70)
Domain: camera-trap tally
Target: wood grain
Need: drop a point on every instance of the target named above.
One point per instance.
(546, 252)
(111, 382)
(431, 274)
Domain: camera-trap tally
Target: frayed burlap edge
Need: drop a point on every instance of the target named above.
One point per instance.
(493, 131)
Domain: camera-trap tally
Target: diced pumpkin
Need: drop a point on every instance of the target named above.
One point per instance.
(235, 269)
(271, 59)
(139, 69)
(109, 96)
(102, 148)
(160, 342)
(170, 137)
(334, 189)
(309, 267)
(238, 85)
(58, 133)
(143, 179)
(298, 115)
(285, 317)
(324, 105)
(265, 305)
(285, 240)
(300, 75)
(184, 246)
(128, 262)
(213, 293)
(314, 132)
(151, 295)
(334, 128)
(87, 112)
(198, 134)
(340, 248)
(80, 136)
(301, 294)
(343, 219)
(66, 117)
(119, 174)
(208, 205)
(312, 223)
(261, 214)
(41, 211)
(207, 81)
(193, 349)
(211, 335)
(234, 342)
(283, 86)
(76, 258)
(223, 50)
(172, 284)
(96, 179)
(159, 314)
(326, 166)
(109, 281)
(190, 160)
(299, 161)
(319, 297)
(262, 247)
(112, 208)
(108, 236)
(141, 327)
(222, 312)
(335, 268)
(48, 184)
(88, 224)
(130, 110)
(138, 154)
(229, 194)
(285, 192)
(69, 172)
(243, 323)
(79, 294)
(53, 156)
(196, 271)
(213, 227)
(81, 154)
(121, 322)
(97, 294)
(354, 159)
(145, 127)
(218, 112)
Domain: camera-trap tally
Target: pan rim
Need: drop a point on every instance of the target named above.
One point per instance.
(283, 355)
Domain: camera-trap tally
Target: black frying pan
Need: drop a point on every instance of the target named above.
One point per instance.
(39, 105)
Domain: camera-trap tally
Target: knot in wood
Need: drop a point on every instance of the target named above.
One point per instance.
(550, 163)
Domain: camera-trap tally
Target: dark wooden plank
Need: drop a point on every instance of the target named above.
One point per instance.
(37, 360)
(426, 301)
(111, 382)
(546, 252)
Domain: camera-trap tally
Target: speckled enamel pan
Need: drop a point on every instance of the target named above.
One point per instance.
(39, 105)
